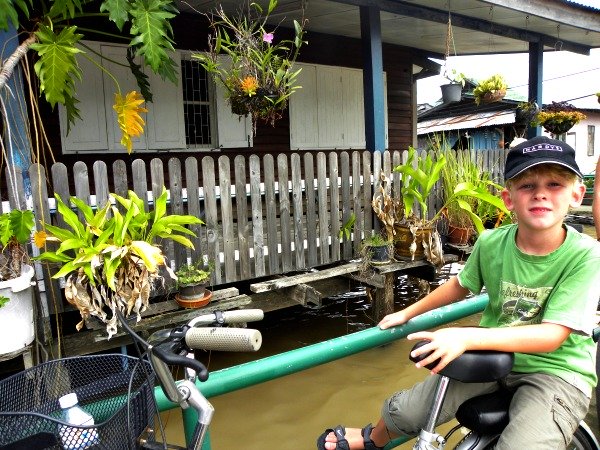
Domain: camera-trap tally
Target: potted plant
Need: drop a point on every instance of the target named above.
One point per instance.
(377, 249)
(112, 260)
(526, 112)
(452, 91)
(259, 76)
(492, 89)
(413, 232)
(16, 292)
(192, 280)
(462, 213)
(558, 117)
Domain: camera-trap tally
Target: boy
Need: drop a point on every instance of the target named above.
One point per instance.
(541, 278)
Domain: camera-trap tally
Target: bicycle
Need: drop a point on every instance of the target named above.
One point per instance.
(485, 416)
(118, 390)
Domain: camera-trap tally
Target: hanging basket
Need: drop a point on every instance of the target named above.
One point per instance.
(491, 97)
(451, 92)
(556, 127)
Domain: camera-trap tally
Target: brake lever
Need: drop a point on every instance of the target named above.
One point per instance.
(168, 353)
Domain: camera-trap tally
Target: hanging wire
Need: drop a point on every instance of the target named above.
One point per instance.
(558, 44)
(449, 40)
(491, 39)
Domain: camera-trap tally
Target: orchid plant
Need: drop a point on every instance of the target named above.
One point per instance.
(259, 76)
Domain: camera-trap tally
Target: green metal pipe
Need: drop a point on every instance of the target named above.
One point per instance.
(276, 366)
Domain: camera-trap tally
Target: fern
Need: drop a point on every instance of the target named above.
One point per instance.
(8, 12)
(153, 34)
(118, 11)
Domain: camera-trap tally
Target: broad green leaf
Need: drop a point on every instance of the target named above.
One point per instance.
(118, 11)
(21, 224)
(57, 67)
(150, 254)
(69, 217)
(53, 257)
(71, 110)
(153, 34)
(71, 244)
(182, 240)
(160, 205)
(86, 210)
(8, 12)
(65, 8)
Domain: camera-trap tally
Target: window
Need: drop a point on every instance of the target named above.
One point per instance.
(197, 107)
(192, 114)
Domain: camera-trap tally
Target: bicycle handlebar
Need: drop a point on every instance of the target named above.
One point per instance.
(224, 339)
(223, 317)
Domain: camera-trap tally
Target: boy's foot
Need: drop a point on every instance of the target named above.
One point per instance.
(340, 438)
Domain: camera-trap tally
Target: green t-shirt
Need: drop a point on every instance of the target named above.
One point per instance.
(561, 287)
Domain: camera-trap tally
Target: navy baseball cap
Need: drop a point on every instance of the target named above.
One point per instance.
(540, 150)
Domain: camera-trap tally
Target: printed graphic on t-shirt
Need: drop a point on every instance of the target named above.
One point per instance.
(521, 305)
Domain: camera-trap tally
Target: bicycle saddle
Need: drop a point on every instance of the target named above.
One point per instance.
(473, 366)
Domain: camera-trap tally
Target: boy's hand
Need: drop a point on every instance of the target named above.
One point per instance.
(391, 320)
(445, 344)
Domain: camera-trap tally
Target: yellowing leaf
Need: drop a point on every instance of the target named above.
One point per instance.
(128, 115)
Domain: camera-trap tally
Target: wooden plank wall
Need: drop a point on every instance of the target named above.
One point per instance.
(264, 215)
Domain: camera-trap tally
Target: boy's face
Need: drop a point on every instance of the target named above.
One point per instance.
(541, 197)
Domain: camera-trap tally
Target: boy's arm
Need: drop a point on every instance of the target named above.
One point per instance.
(449, 343)
(445, 294)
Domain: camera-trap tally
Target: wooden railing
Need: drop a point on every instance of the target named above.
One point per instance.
(262, 217)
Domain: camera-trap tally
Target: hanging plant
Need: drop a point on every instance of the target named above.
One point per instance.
(526, 112)
(558, 117)
(259, 78)
(490, 90)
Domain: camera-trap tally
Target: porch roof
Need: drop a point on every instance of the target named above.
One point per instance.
(478, 26)
(466, 121)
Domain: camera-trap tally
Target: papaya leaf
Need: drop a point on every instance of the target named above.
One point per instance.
(118, 11)
(140, 77)
(8, 12)
(21, 224)
(57, 67)
(153, 35)
(65, 8)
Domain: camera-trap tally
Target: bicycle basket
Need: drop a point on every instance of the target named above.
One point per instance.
(117, 390)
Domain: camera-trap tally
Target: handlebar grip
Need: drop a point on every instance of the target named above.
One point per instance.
(224, 339)
(243, 315)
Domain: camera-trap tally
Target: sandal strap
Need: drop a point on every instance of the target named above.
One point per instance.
(366, 433)
(340, 434)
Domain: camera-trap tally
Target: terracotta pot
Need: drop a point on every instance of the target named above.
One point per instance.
(404, 238)
(192, 291)
(194, 302)
(459, 235)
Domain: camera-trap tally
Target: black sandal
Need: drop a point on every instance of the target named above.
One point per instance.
(342, 443)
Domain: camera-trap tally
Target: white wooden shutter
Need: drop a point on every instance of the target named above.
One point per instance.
(165, 127)
(233, 131)
(304, 126)
(329, 107)
(353, 110)
(89, 133)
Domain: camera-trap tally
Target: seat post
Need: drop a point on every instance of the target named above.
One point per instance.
(438, 400)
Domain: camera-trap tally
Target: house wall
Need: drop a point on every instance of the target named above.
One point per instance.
(586, 142)
(191, 33)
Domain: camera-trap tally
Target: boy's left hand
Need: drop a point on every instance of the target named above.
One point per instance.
(445, 344)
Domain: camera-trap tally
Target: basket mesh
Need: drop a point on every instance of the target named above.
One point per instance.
(117, 390)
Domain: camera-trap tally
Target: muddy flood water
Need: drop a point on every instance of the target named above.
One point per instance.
(290, 412)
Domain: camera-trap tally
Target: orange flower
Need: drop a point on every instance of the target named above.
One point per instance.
(39, 238)
(128, 115)
(249, 85)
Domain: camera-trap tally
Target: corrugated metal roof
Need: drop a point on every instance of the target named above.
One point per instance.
(485, 119)
(594, 4)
